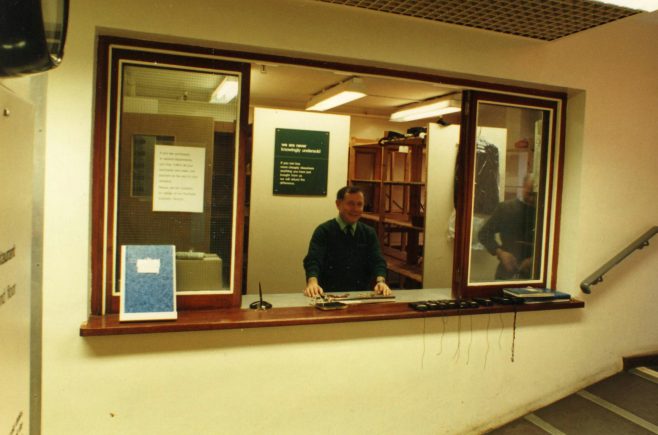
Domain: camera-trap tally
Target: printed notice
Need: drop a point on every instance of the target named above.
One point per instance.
(178, 176)
(300, 162)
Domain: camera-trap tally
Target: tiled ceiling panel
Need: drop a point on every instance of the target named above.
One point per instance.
(539, 19)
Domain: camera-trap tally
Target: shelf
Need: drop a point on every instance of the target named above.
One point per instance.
(391, 221)
(413, 271)
(235, 318)
(361, 180)
(390, 182)
(394, 180)
(405, 183)
(406, 141)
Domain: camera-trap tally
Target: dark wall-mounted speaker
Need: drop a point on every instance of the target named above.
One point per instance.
(32, 35)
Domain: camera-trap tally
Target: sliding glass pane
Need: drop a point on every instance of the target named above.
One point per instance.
(507, 214)
(176, 169)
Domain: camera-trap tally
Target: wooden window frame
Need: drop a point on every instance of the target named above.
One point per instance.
(111, 51)
(103, 323)
(551, 176)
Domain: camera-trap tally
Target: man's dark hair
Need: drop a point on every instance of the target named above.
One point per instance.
(340, 195)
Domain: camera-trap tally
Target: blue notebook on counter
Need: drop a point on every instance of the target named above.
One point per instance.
(148, 282)
(532, 293)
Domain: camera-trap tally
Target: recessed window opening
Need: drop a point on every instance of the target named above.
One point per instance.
(435, 160)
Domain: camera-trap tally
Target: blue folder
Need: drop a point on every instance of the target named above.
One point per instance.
(148, 282)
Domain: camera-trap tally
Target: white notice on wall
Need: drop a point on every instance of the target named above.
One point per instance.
(178, 174)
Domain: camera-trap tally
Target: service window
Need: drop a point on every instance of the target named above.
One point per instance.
(509, 155)
(167, 170)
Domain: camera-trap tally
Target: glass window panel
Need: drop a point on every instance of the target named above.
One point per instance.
(176, 171)
(507, 219)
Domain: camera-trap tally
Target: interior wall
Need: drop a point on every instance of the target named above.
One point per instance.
(280, 226)
(374, 376)
(443, 143)
(363, 127)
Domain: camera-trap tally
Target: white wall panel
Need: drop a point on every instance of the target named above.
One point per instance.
(16, 142)
(280, 226)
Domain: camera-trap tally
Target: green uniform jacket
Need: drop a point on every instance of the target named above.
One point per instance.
(343, 262)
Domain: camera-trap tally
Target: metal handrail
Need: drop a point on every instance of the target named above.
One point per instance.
(597, 276)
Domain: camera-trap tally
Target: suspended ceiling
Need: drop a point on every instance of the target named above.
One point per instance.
(538, 19)
(271, 85)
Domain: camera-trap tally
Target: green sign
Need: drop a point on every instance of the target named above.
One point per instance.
(301, 159)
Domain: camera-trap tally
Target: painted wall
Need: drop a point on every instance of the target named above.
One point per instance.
(442, 147)
(450, 375)
(280, 226)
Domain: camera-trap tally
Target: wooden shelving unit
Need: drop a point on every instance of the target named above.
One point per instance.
(393, 175)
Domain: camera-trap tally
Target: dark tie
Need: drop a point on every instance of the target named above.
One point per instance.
(348, 230)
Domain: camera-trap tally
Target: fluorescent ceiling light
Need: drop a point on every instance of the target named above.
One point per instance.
(337, 95)
(427, 109)
(226, 91)
(643, 5)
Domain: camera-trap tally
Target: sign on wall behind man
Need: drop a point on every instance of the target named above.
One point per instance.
(16, 144)
(280, 225)
(301, 158)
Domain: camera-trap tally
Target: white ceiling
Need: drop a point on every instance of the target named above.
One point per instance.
(293, 86)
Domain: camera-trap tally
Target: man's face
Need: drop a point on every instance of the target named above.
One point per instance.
(350, 207)
(529, 196)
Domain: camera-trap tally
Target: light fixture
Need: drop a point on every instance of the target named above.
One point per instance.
(226, 91)
(641, 5)
(427, 109)
(342, 93)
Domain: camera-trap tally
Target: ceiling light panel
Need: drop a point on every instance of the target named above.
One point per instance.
(337, 95)
(427, 109)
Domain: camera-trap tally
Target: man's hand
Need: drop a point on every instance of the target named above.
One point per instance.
(381, 288)
(313, 289)
(526, 265)
(507, 260)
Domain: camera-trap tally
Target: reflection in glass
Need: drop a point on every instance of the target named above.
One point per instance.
(507, 220)
(176, 170)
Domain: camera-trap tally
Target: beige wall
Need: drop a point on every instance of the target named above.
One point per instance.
(280, 226)
(442, 149)
(450, 375)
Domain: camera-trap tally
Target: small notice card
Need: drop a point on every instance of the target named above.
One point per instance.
(148, 265)
(178, 175)
(148, 282)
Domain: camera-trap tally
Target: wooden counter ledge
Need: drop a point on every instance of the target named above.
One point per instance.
(237, 318)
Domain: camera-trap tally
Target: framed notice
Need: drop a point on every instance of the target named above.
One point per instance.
(148, 282)
(301, 159)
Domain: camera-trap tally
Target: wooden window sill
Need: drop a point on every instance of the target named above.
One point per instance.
(237, 318)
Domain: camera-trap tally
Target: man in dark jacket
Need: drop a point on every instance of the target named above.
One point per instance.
(344, 254)
(514, 221)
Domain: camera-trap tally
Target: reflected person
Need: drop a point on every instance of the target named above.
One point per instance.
(344, 254)
(514, 222)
